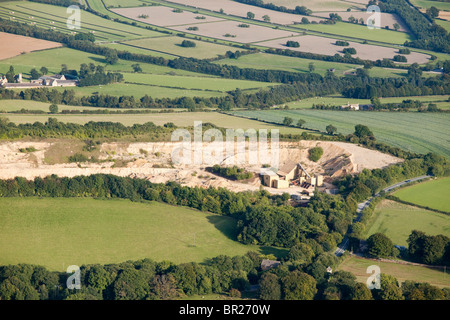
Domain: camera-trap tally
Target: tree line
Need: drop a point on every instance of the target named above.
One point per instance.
(302, 10)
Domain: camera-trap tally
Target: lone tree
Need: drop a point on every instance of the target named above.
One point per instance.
(266, 18)
(34, 74)
(136, 67)
(43, 70)
(287, 121)
(331, 129)
(250, 15)
(53, 108)
(362, 131)
(111, 57)
(188, 44)
(300, 123)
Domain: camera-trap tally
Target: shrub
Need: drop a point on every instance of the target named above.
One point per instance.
(315, 153)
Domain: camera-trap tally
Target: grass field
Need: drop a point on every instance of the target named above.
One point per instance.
(199, 83)
(269, 61)
(58, 232)
(417, 132)
(180, 119)
(339, 100)
(358, 31)
(401, 272)
(43, 15)
(172, 45)
(425, 4)
(397, 220)
(432, 194)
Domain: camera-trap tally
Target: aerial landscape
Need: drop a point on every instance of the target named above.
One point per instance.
(239, 151)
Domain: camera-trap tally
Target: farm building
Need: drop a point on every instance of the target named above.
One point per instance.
(267, 264)
(44, 81)
(350, 106)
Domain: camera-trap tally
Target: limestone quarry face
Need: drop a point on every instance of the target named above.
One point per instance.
(153, 161)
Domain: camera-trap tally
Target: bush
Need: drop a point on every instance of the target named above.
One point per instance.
(188, 44)
(293, 44)
(315, 153)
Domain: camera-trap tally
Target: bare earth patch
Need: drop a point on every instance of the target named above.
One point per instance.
(153, 161)
(386, 19)
(163, 16)
(220, 29)
(19, 44)
(321, 45)
(239, 9)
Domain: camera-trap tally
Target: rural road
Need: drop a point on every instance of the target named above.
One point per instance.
(361, 206)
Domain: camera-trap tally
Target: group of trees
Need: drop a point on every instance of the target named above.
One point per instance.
(433, 250)
(430, 36)
(233, 173)
(370, 182)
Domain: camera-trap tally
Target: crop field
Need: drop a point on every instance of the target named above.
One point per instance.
(179, 119)
(122, 3)
(20, 45)
(432, 194)
(17, 105)
(386, 19)
(416, 132)
(240, 10)
(401, 272)
(172, 45)
(321, 45)
(163, 16)
(48, 16)
(58, 232)
(322, 5)
(397, 220)
(339, 100)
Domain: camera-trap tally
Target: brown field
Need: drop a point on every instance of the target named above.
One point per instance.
(239, 9)
(163, 16)
(20, 44)
(326, 46)
(322, 5)
(387, 19)
(445, 15)
(243, 35)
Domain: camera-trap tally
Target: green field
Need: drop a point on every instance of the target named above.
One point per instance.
(413, 131)
(401, 272)
(123, 47)
(58, 232)
(267, 61)
(54, 58)
(425, 4)
(199, 83)
(43, 15)
(397, 220)
(339, 100)
(319, 5)
(358, 31)
(432, 194)
(171, 45)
